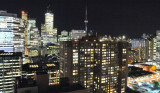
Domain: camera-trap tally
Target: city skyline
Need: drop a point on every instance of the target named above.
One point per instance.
(82, 46)
(130, 17)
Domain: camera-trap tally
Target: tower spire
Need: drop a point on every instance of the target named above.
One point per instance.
(86, 20)
(48, 8)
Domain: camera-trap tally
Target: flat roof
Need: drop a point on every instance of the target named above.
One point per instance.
(139, 73)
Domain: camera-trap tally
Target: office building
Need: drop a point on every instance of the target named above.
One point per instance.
(24, 17)
(78, 34)
(144, 48)
(8, 25)
(158, 45)
(64, 36)
(154, 48)
(12, 33)
(10, 69)
(140, 46)
(33, 38)
(149, 40)
(19, 36)
(48, 32)
(49, 21)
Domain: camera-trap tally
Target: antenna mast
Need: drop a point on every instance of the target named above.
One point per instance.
(86, 20)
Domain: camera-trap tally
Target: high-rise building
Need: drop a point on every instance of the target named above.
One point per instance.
(158, 45)
(140, 46)
(48, 32)
(11, 33)
(25, 19)
(19, 36)
(33, 38)
(43, 34)
(64, 36)
(149, 49)
(144, 48)
(101, 66)
(154, 48)
(49, 21)
(10, 68)
(66, 60)
(6, 33)
(72, 35)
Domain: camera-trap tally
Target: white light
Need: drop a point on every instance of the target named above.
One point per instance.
(139, 84)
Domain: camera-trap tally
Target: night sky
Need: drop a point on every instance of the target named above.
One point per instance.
(114, 17)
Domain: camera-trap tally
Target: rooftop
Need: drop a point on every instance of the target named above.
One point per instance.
(139, 73)
(64, 89)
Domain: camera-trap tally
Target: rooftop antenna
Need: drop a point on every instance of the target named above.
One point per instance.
(48, 8)
(86, 20)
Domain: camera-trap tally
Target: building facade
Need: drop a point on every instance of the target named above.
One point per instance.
(48, 32)
(158, 45)
(100, 66)
(10, 69)
(78, 34)
(10, 39)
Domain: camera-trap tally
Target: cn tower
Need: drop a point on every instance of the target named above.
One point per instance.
(86, 21)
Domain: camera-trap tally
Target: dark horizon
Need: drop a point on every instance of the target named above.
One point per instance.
(113, 17)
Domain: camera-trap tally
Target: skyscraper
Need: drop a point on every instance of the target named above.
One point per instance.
(33, 33)
(11, 33)
(48, 32)
(19, 37)
(49, 21)
(32, 36)
(158, 45)
(101, 66)
(25, 19)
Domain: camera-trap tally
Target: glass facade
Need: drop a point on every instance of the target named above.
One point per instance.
(48, 33)
(19, 36)
(49, 20)
(11, 33)
(6, 33)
